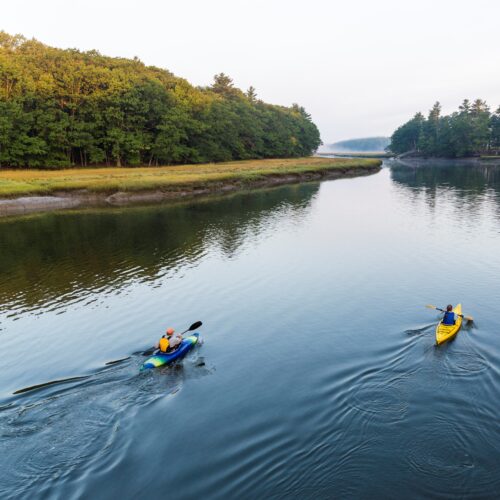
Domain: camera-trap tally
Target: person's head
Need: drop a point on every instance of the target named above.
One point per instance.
(449, 308)
(170, 330)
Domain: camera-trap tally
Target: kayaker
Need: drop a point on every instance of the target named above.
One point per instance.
(170, 341)
(449, 317)
(174, 339)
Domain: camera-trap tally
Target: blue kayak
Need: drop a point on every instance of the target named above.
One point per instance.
(163, 359)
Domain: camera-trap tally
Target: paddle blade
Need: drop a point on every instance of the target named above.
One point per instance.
(469, 318)
(115, 361)
(430, 306)
(194, 326)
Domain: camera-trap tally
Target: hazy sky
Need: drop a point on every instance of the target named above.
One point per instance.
(359, 67)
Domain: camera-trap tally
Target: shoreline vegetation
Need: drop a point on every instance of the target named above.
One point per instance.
(27, 191)
(472, 131)
(68, 108)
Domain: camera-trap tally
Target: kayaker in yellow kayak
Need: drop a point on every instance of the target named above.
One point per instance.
(449, 317)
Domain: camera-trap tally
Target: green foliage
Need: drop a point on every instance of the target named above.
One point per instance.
(69, 108)
(471, 131)
(406, 138)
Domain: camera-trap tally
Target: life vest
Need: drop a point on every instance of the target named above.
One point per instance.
(449, 318)
(164, 344)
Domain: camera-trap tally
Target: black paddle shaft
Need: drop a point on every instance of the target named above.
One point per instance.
(194, 326)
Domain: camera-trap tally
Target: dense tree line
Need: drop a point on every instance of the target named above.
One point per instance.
(470, 131)
(70, 108)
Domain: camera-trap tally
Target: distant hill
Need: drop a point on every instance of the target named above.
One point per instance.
(358, 145)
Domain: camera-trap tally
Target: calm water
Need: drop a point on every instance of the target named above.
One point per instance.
(318, 377)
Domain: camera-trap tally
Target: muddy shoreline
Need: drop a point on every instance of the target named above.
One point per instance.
(83, 198)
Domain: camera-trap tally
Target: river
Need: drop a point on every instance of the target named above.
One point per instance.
(318, 376)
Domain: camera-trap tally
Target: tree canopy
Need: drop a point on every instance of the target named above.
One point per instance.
(62, 108)
(470, 131)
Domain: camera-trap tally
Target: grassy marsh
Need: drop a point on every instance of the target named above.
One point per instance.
(172, 178)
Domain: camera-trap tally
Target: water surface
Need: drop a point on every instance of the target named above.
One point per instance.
(317, 377)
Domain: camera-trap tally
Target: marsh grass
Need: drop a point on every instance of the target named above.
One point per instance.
(175, 178)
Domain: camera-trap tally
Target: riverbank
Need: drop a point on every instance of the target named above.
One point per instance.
(27, 191)
(420, 161)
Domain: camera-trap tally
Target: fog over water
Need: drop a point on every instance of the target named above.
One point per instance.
(361, 68)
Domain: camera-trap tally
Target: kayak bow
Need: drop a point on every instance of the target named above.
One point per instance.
(447, 332)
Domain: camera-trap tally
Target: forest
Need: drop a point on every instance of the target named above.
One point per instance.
(473, 130)
(62, 108)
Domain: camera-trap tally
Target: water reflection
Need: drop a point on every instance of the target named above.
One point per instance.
(447, 189)
(60, 258)
(472, 179)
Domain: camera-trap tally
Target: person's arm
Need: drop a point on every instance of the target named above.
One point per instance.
(157, 345)
(177, 339)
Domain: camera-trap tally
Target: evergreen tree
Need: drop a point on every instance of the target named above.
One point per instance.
(251, 95)
(429, 140)
(495, 130)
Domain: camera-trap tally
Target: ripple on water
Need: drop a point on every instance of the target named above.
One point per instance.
(417, 332)
(465, 363)
(463, 458)
(52, 432)
(381, 399)
(449, 459)
(381, 392)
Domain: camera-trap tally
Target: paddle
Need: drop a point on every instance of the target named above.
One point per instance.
(468, 318)
(194, 326)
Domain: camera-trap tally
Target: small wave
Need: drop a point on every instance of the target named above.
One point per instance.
(420, 331)
(464, 364)
(384, 400)
(55, 429)
(451, 458)
(462, 457)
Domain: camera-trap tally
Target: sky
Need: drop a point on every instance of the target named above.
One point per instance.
(361, 68)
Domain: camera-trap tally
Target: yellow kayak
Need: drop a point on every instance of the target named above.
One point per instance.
(447, 332)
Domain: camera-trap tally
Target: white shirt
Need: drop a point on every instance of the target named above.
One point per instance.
(174, 340)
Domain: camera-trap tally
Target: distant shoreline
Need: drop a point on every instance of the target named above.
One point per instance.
(472, 160)
(359, 154)
(122, 187)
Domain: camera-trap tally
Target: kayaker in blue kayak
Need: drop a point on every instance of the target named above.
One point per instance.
(170, 341)
(449, 317)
